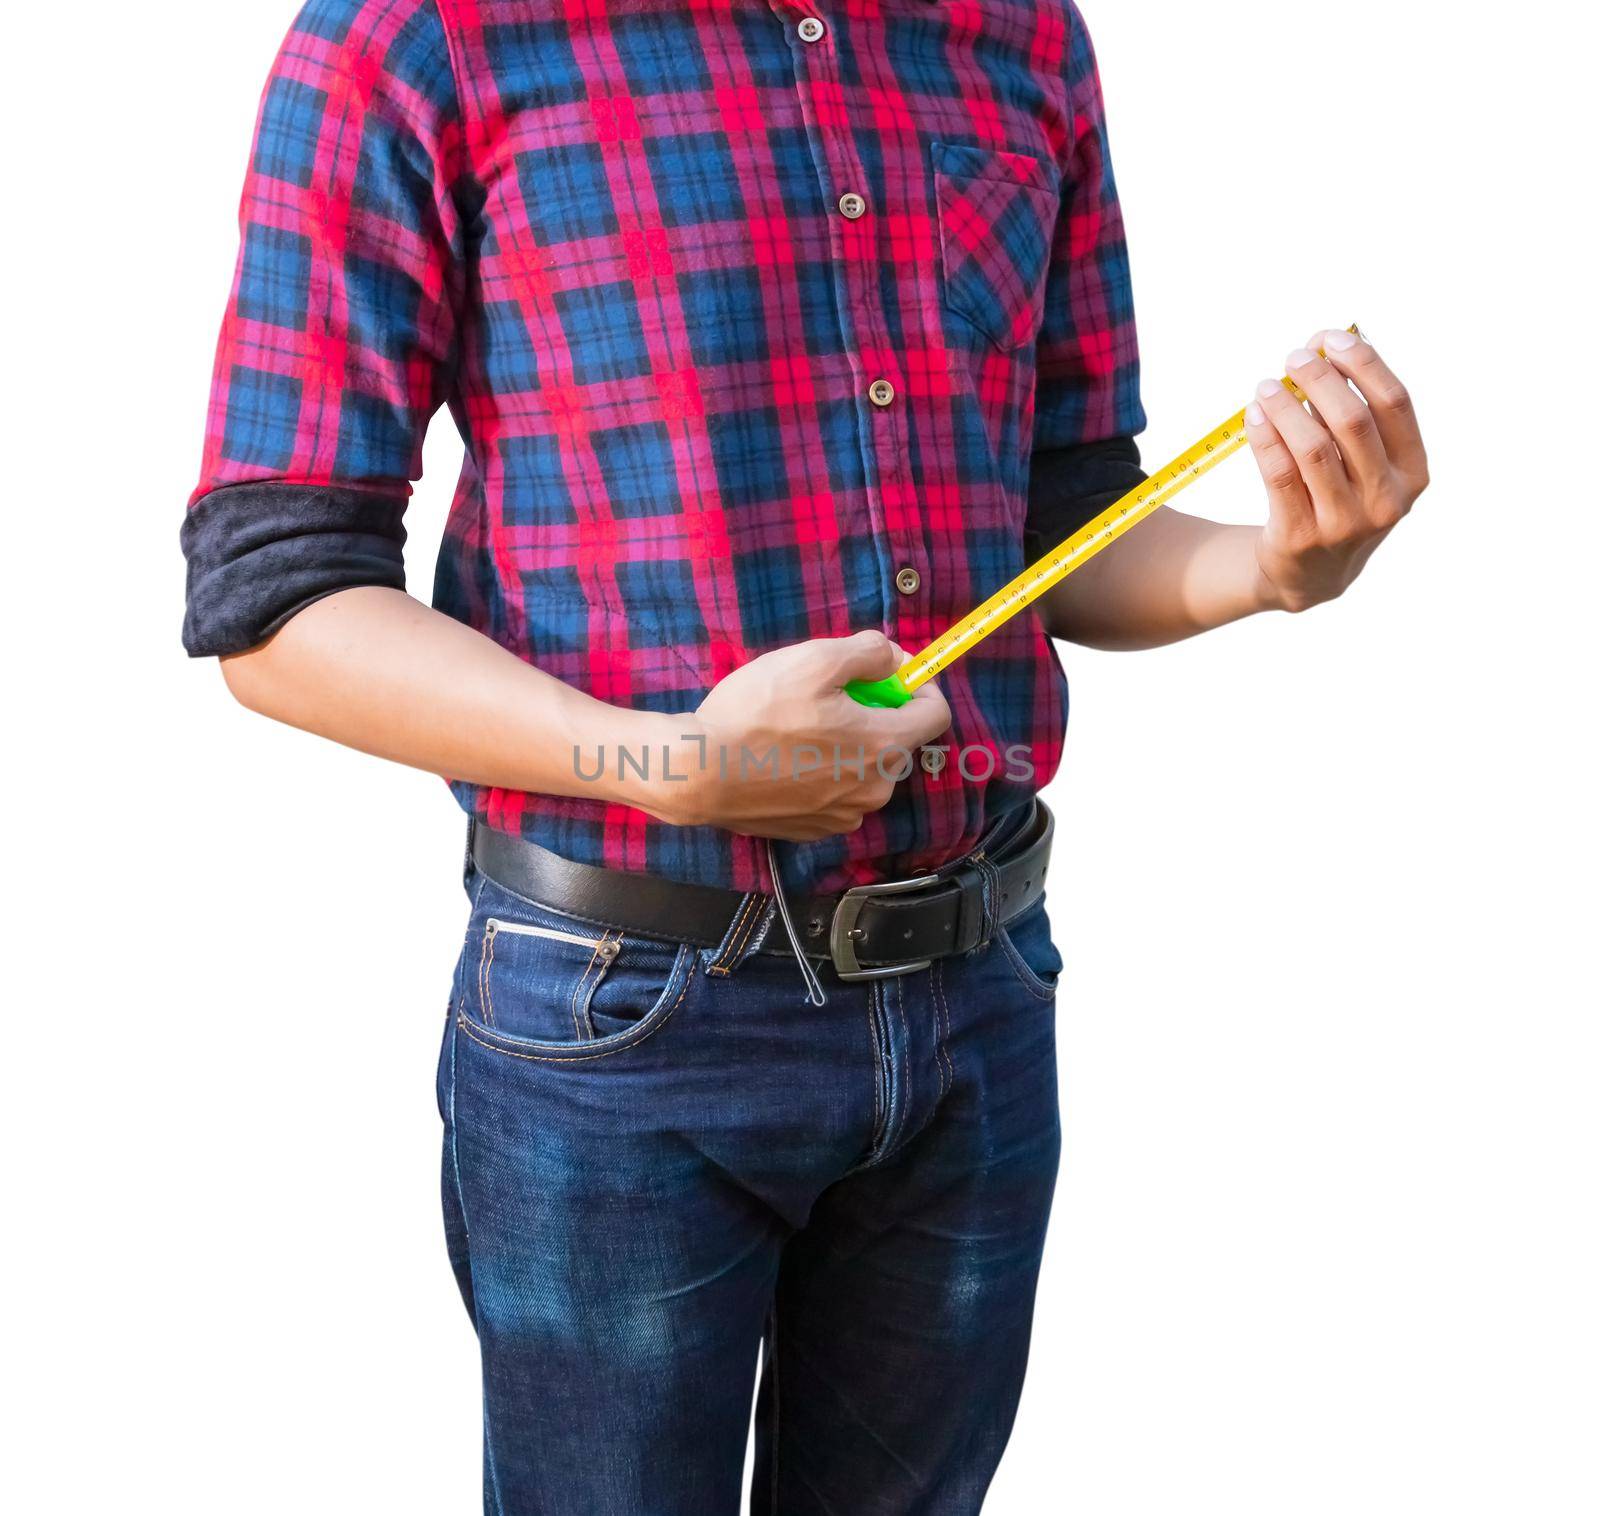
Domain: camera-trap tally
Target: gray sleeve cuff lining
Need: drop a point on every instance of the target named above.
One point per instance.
(1069, 486)
(259, 553)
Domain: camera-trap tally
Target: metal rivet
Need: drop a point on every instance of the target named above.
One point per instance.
(810, 29)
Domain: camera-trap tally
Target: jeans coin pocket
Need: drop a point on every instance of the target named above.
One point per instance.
(532, 974)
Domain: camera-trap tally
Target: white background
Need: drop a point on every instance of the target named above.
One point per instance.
(1326, 1232)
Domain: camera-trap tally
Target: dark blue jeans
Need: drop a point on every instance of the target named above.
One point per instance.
(661, 1162)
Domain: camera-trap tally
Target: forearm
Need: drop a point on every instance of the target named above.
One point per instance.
(376, 670)
(1170, 578)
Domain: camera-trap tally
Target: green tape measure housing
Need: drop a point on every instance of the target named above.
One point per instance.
(882, 694)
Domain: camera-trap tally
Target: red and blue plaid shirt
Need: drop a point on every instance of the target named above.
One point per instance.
(757, 318)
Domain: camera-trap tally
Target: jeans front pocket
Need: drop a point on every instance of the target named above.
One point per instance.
(535, 977)
(997, 214)
(1029, 947)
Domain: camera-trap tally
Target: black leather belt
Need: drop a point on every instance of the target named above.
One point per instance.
(870, 932)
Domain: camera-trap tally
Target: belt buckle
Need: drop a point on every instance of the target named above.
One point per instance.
(841, 935)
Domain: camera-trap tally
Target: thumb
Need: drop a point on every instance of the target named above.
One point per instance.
(867, 655)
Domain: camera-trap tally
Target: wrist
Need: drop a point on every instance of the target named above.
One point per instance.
(1263, 592)
(659, 763)
(678, 787)
(1225, 581)
(1264, 595)
(619, 756)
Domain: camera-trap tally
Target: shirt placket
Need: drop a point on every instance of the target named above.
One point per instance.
(858, 247)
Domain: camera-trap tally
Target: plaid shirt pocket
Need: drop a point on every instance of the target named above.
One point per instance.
(997, 213)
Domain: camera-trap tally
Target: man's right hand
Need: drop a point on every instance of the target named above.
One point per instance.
(788, 754)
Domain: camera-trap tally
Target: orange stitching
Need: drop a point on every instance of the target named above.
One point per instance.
(755, 918)
(738, 916)
(754, 914)
(466, 1026)
(745, 907)
(577, 1026)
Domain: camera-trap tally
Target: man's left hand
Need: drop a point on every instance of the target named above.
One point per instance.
(1339, 476)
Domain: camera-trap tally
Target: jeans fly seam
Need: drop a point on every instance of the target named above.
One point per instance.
(877, 1069)
(891, 1084)
(947, 1076)
(905, 1032)
(906, 1135)
(883, 1041)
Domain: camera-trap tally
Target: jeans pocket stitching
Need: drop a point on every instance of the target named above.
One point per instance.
(651, 1023)
(1030, 981)
(485, 963)
(582, 1021)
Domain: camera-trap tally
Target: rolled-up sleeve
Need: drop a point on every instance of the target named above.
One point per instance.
(1069, 486)
(339, 340)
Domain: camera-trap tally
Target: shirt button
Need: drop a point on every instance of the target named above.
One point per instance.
(810, 29)
(908, 581)
(933, 760)
(851, 205)
(880, 392)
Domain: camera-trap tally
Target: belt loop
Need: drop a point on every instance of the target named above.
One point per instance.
(989, 885)
(745, 934)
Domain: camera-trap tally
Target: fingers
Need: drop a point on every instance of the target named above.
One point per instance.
(835, 821)
(911, 725)
(1315, 453)
(1388, 400)
(1288, 500)
(1343, 413)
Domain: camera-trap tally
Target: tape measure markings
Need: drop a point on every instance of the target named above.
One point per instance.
(1141, 502)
